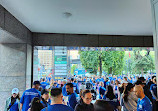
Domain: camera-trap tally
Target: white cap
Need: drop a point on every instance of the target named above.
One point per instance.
(123, 81)
(48, 86)
(15, 90)
(88, 80)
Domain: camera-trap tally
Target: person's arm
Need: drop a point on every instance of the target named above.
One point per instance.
(21, 106)
(6, 105)
(77, 108)
(100, 90)
(151, 89)
(153, 95)
(22, 101)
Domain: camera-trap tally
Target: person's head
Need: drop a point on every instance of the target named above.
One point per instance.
(142, 79)
(48, 88)
(56, 95)
(101, 84)
(138, 82)
(154, 80)
(125, 78)
(72, 79)
(102, 105)
(124, 83)
(112, 82)
(55, 84)
(45, 94)
(106, 79)
(137, 77)
(15, 92)
(110, 92)
(69, 88)
(127, 90)
(43, 79)
(116, 82)
(86, 96)
(153, 77)
(139, 92)
(36, 105)
(36, 85)
(64, 81)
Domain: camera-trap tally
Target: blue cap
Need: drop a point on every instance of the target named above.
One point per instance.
(36, 82)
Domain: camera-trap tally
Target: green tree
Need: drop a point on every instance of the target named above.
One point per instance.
(142, 62)
(73, 68)
(89, 60)
(110, 61)
(113, 61)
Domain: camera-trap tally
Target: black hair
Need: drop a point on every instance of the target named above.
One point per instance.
(44, 91)
(36, 105)
(125, 77)
(102, 105)
(43, 79)
(72, 79)
(153, 77)
(141, 79)
(55, 92)
(138, 82)
(85, 92)
(69, 84)
(126, 91)
(110, 93)
(17, 97)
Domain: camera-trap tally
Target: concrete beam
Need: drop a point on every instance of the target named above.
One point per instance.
(16, 30)
(1, 16)
(45, 39)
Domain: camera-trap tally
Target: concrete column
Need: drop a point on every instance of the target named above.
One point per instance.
(154, 9)
(15, 56)
(12, 69)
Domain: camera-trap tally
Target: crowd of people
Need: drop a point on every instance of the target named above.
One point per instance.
(106, 93)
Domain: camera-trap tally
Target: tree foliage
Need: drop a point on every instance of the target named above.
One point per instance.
(112, 61)
(73, 68)
(116, 62)
(142, 63)
(89, 60)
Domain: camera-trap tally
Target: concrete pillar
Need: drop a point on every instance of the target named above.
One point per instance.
(15, 56)
(154, 9)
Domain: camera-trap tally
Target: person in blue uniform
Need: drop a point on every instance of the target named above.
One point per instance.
(57, 101)
(44, 83)
(106, 82)
(13, 102)
(75, 86)
(101, 90)
(72, 96)
(64, 88)
(143, 104)
(28, 95)
(153, 89)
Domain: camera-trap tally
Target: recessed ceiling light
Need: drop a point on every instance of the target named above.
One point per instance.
(67, 14)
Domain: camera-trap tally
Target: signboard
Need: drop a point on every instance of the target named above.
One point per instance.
(60, 62)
